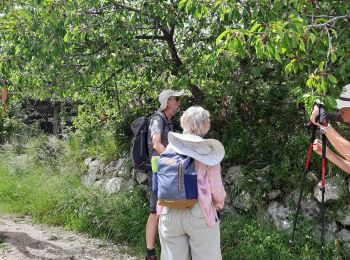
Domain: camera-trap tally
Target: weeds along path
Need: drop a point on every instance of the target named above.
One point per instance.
(21, 239)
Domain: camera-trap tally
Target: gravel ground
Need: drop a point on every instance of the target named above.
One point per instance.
(21, 239)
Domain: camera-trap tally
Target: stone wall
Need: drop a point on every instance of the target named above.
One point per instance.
(279, 207)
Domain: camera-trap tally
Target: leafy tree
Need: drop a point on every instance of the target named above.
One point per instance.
(242, 59)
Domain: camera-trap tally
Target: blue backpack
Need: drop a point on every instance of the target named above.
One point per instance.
(176, 180)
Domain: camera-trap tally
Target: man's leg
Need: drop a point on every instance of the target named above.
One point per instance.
(152, 223)
(151, 230)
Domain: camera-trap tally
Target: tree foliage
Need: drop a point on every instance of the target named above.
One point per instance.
(238, 58)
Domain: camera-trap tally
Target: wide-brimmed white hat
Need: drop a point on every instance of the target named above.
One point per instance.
(208, 151)
(344, 99)
(165, 95)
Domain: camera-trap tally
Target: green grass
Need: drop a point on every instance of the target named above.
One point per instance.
(55, 195)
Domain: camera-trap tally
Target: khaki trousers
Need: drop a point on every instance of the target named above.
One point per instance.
(185, 235)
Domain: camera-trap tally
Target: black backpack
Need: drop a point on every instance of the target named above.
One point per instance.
(140, 154)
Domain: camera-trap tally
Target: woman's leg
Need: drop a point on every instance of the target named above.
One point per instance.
(204, 240)
(173, 239)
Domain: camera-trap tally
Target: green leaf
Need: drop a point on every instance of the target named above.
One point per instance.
(309, 82)
(181, 4)
(221, 36)
(232, 45)
(312, 37)
(332, 79)
(323, 85)
(255, 27)
(302, 45)
(280, 32)
(333, 57)
(188, 5)
(321, 65)
(66, 37)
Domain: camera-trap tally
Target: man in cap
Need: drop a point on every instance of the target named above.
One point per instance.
(159, 127)
(340, 144)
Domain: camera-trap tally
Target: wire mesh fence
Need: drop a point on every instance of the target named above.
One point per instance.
(28, 117)
(50, 116)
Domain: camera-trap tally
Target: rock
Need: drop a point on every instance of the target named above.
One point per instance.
(229, 196)
(111, 169)
(329, 235)
(243, 201)
(233, 175)
(95, 169)
(141, 178)
(117, 184)
(98, 184)
(113, 185)
(346, 221)
(311, 177)
(280, 215)
(333, 191)
(274, 194)
(143, 187)
(311, 208)
(87, 161)
(124, 170)
(128, 185)
(262, 174)
(85, 180)
(343, 235)
(345, 250)
(134, 172)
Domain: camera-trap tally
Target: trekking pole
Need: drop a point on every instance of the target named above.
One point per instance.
(307, 169)
(324, 162)
(323, 189)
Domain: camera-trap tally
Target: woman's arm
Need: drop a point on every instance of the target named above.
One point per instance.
(216, 186)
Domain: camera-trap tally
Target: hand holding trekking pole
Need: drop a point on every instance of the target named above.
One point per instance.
(319, 116)
(317, 147)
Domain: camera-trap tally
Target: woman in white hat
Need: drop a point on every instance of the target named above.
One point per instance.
(194, 233)
(340, 144)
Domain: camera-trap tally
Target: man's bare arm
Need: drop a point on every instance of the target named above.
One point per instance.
(157, 143)
(339, 143)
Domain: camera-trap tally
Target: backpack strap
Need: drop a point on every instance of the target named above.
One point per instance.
(165, 121)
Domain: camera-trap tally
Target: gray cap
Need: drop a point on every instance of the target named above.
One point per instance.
(165, 95)
(344, 99)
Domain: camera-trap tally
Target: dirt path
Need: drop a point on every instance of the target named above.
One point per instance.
(21, 239)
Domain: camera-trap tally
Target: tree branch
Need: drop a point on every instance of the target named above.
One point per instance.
(151, 37)
(98, 11)
(110, 77)
(329, 48)
(328, 22)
